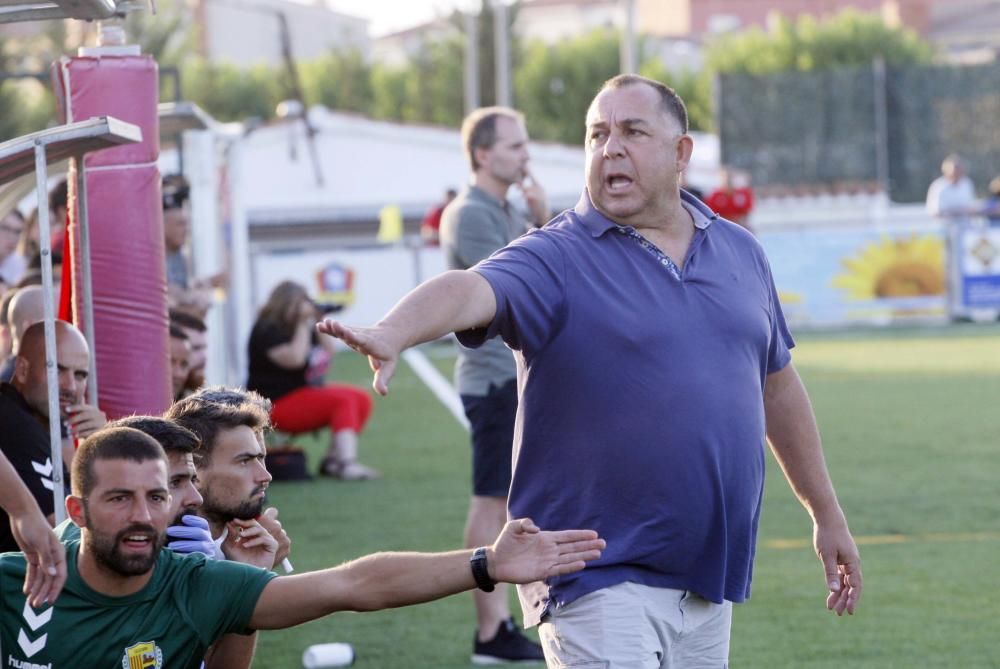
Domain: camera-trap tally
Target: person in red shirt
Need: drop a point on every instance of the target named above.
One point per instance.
(431, 225)
(731, 202)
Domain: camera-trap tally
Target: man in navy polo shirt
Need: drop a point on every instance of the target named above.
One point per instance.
(653, 358)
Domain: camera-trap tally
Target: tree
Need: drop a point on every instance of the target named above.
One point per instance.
(231, 94)
(555, 83)
(168, 36)
(851, 38)
(339, 80)
(694, 88)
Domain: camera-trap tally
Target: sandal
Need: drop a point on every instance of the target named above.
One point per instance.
(330, 467)
(355, 471)
(352, 471)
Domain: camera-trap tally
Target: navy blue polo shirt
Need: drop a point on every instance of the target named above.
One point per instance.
(641, 408)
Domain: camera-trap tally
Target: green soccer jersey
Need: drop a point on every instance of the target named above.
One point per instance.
(67, 530)
(187, 605)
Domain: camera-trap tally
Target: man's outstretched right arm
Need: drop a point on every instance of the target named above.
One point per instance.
(454, 301)
(521, 554)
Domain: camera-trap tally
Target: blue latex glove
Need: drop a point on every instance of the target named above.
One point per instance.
(191, 537)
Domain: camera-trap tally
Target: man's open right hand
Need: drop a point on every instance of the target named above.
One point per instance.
(375, 342)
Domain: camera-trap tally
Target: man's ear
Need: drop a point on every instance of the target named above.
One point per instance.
(21, 368)
(74, 509)
(685, 147)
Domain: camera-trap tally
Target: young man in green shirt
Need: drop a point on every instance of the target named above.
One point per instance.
(128, 603)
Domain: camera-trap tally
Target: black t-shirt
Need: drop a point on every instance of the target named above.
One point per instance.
(267, 378)
(24, 439)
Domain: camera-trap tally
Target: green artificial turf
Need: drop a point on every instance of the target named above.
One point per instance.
(911, 426)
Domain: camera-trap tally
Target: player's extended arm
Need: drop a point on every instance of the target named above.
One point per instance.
(521, 554)
(795, 440)
(45, 556)
(454, 301)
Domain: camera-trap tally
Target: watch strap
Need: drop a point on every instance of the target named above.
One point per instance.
(480, 572)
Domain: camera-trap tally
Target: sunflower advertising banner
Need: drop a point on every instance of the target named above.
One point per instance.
(852, 276)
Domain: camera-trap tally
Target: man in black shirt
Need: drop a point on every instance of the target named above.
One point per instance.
(24, 412)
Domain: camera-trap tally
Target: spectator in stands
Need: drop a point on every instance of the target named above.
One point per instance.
(58, 214)
(430, 227)
(733, 199)
(27, 246)
(33, 277)
(193, 295)
(12, 264)
(252, 404)
(197, 336)
(180, 352)
(233, 477)
(288, 363)
(24, 411)
(26, 308)
(952, 195)
(117, 564)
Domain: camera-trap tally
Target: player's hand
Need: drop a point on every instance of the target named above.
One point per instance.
(44, 554)
(84, 420)
(377, 343)
(269, 520)
(192, 536)
(524, 553)
(842, 565)
(248, 542)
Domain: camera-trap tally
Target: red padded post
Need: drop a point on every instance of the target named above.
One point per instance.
(126, 231)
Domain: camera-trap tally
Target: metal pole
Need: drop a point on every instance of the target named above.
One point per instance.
(471, 61)
(881, 124)
(51, 373)
(501, 53)
(241, 279)
(627, 46)
(83, 219)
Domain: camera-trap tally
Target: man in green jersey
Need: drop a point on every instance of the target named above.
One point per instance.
(128, 603)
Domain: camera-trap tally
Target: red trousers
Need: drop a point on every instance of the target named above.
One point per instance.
(337, 406)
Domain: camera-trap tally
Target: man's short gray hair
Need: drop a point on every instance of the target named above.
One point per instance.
(671, 103)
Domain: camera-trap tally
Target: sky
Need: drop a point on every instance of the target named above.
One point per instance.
(388, 16)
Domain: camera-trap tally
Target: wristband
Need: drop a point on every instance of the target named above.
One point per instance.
(480, 572)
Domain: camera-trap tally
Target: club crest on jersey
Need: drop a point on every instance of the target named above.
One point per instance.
(143, 655)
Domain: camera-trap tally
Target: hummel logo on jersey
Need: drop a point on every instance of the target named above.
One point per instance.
(35, 620)
(24, 664)
(44, 472)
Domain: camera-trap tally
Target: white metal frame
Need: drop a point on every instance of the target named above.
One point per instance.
(34, 152)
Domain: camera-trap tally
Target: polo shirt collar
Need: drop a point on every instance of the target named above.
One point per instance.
(597, 223)
(477, 193)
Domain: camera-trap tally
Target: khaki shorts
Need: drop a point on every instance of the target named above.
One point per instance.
(631, 626)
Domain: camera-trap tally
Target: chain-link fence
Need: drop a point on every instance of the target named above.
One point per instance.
(876, 126)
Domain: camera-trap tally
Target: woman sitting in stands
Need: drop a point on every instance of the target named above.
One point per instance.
(288, 363)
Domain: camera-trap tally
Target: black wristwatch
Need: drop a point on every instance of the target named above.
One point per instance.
(480, 572)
